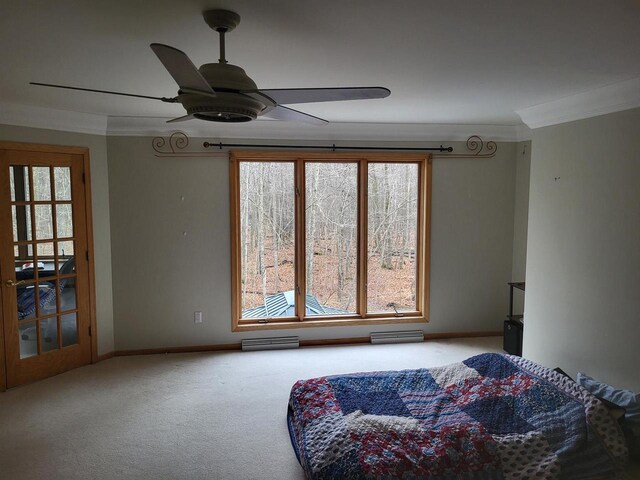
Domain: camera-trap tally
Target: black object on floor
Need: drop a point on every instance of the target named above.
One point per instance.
(512, 343)
(513, 325)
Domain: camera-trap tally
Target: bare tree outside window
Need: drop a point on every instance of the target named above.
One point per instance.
(267, 215)
(331, 233)
(392, 234)
(363, 251)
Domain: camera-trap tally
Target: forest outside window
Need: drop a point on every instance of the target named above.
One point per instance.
(329, 239)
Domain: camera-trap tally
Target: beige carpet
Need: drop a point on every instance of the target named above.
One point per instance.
(183, 416)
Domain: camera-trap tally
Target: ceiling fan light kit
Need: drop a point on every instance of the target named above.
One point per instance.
(221, 92)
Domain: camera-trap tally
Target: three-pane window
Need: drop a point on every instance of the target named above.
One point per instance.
(323, 239)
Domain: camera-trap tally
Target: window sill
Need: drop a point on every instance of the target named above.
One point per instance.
(347, 322)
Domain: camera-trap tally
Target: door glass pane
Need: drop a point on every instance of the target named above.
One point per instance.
(62, 176)
(392, 237)
(331, 237)
(21, 222)
(69, 330)
(41, 183)
(47, 297)
(11, 184)
(28, 339)
(45, 254)
(68, 293)
(65, 250)
(48, 334)
(19, 180)
(64, 219)
(44, 222)
(267, 238)
(46, 261)
(23, 262)
(26, 296)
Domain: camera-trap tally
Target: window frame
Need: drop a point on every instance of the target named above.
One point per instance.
(362, 317)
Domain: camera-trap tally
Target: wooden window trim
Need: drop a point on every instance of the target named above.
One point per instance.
(363, 159)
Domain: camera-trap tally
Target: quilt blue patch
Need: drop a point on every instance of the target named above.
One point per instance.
(379, 402)
(493, 367)
(497, 415)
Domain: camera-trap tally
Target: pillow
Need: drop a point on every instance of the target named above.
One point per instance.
(616, 411)
(623, 398)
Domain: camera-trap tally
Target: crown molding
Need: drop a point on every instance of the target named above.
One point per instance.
(609, 99)
(68, 121)
(523, 133)
(335, 131)
(52, 119)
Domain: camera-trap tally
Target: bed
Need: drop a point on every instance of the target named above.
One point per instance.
(490, 416)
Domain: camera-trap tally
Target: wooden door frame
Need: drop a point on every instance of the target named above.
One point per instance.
(3, 363)
(84, 151)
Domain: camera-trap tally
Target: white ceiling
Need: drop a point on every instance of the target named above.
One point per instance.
(446, 62)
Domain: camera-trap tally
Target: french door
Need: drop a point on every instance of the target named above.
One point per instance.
(44, 265)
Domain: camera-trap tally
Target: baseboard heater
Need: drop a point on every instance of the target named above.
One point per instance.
(273, 343)
(398, 337)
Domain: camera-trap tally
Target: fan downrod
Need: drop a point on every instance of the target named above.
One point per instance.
(221, 21)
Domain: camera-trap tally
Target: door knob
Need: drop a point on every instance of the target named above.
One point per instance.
(11, 283)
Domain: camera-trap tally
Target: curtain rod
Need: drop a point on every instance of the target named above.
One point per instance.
(332, 147)
(176, 145)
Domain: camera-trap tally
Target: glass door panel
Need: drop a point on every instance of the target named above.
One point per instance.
(69, 329)
(62, 183)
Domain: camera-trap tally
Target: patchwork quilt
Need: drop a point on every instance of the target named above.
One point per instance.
(491, 416)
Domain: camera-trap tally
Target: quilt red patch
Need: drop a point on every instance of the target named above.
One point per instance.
(477, 388)
(450, 450)
(315, 398)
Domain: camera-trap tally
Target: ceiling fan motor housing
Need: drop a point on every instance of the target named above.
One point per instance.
(228, 105)
(224, 107)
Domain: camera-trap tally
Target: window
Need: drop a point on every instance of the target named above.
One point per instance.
(329, 239)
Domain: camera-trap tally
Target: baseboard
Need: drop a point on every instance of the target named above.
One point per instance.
(189, 349)
(445, 335)
(105, 356)
(303, 343)
(334, 341)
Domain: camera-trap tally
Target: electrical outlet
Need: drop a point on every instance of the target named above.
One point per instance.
(197, 317)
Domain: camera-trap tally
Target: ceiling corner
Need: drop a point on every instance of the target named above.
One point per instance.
(52, 119)
(600, 101)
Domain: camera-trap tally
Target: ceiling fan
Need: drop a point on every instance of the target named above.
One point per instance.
(221, 92)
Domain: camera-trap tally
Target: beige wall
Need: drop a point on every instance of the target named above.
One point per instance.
(170, 243)
(520, 221)
(100, 203)
(583, 258)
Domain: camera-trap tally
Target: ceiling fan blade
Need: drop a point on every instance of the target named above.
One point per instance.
(311, 95)
(182, 69)
(163, 99)
(290, 115)
(181, 119)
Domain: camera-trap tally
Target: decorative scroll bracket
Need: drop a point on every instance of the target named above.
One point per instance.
(475, 145)
(172, 146)
(177, 143)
